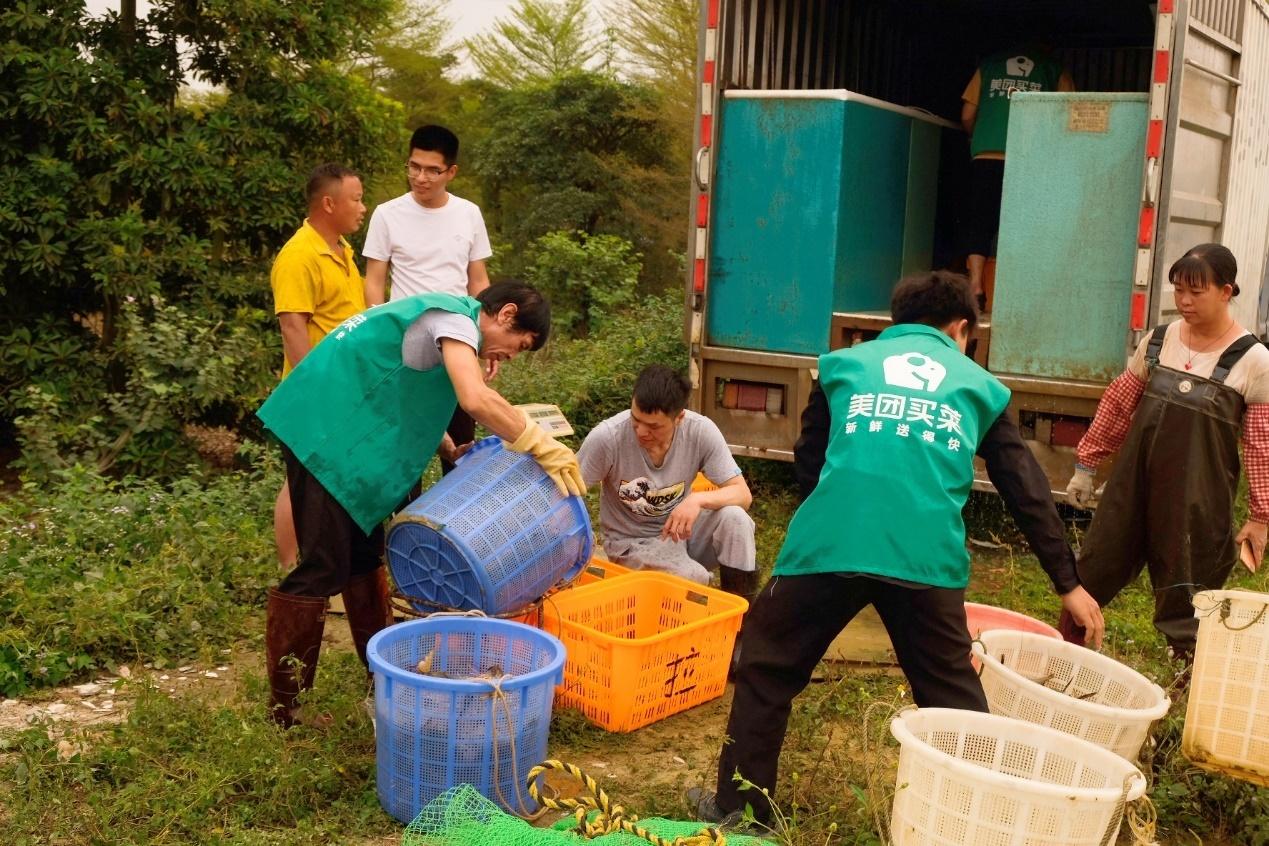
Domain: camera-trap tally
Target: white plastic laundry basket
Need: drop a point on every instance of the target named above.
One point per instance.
(1227, 719)
(970, 779)
(1067, 687)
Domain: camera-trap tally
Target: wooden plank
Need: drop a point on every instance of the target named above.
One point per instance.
(864, 641)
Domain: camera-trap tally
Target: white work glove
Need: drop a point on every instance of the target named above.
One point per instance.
(557, 460)
(1079, 491)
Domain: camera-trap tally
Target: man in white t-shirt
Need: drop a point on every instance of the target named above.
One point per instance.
(646, 459)
(430, 240)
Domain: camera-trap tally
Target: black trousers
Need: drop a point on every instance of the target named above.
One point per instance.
(982, 223)
(462, 429)
(333, 548)
(787, 632)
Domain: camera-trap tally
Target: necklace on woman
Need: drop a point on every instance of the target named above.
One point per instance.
(1189, 362)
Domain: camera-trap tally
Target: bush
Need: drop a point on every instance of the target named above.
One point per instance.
(584, 276)
(592, 378)
(95, 572)
(177, 367)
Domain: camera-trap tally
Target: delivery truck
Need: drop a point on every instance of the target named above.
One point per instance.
(830, 161)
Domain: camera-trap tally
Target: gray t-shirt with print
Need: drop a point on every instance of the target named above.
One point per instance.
(421, 347)
(636, 498)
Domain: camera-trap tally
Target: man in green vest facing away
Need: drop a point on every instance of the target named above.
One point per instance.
(985, 116)
(888, 440)
(358, 419)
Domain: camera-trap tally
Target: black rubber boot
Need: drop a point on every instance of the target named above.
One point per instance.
(293, 633)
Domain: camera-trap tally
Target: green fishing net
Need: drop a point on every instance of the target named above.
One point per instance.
(462, 817)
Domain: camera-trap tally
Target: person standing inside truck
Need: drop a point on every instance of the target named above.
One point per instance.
(985, 116)
(1193, 390)
(889, 437)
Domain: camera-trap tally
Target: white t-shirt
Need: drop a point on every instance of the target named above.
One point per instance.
(1250, 376)
(429, 249)
(421, 346)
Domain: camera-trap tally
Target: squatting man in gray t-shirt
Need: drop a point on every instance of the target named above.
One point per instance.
(650, 518)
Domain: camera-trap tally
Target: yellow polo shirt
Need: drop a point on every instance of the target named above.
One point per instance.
(308, 277)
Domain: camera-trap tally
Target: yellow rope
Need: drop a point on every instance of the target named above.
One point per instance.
(611, 818)
(1143, 822)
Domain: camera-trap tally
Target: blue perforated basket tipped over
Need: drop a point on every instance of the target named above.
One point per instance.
(495, 535)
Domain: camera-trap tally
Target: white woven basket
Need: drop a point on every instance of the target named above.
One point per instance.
(1227, 719)
(1067, 687)
(970, 779)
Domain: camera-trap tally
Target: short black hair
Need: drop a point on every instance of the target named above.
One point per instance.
(436, 139)
(936, 299)
(323, 176)
(533, 312)
(661, 389)
(1206, 264)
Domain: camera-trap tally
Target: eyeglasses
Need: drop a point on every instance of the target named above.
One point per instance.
(416, 171)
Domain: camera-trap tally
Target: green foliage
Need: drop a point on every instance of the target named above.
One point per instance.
(542, 41)
(584, 276)
(569, 155)
(186, 769)
(95, 572)
(592, 378)
(178, 366)
(660, 38)
(121, 187)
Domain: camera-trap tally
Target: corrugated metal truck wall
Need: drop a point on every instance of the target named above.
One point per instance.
(1246, 219)
(1223, 16)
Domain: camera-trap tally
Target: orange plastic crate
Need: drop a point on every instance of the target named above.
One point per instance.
(702, 483)
(598, 570)
(642, 647)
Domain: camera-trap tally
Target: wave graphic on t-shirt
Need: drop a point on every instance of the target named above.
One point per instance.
(639, 496)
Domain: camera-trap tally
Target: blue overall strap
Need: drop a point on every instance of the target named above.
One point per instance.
(1155, 345)
(1232, 355)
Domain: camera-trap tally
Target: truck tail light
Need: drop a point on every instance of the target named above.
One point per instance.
(739, 395)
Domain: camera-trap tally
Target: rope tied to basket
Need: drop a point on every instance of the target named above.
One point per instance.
(611, 818)
(1225, 608)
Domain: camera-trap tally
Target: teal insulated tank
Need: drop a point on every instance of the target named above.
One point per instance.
(822, 199)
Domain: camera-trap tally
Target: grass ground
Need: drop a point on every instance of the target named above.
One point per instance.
(195, 761)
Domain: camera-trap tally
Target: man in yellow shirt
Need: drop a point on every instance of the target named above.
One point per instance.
(316, 286)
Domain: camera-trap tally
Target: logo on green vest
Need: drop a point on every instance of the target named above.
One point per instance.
(1020, 66)
(914, 370)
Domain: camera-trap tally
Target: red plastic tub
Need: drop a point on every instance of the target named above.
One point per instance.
(981, 618)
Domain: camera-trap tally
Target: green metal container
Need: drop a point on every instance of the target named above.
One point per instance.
(1068, 232)
(822, 199)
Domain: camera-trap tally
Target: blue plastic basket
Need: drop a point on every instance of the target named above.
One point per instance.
(433, 733)
(494, 535)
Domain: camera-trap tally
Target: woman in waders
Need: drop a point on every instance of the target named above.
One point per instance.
(1175, 416)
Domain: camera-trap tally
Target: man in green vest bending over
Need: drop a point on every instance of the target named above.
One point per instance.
(889, 439)
(358, 419)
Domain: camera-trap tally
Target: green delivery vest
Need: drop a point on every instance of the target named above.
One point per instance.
(1000, 76)
(361, 421)
(908, 413)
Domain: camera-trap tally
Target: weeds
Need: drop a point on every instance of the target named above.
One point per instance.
(180, 770)
(95, 572)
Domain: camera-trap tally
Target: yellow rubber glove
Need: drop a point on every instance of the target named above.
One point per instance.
(557, 460)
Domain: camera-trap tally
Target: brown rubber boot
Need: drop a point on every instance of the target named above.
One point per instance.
(367, 609)
(293, 632)
(742, 583)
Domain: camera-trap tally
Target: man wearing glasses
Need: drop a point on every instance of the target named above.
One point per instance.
(433, 241)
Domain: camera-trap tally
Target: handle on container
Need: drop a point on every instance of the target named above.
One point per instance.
(701, 182)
